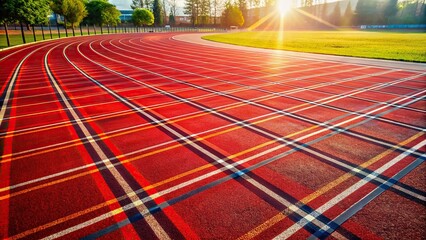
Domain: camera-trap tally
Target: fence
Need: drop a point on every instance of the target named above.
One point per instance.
(15, 34)
(395, 26)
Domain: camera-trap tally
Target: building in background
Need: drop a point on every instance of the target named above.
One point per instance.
(126, 15)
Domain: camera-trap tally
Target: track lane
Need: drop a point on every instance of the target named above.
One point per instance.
(85, 101)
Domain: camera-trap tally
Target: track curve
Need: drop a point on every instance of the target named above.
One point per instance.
(133, 136)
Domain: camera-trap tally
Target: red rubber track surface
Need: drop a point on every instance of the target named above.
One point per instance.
(143, 136)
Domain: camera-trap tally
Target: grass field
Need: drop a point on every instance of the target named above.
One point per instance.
(16, 38)
(381, 45)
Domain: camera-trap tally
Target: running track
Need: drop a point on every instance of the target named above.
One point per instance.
(144, 136)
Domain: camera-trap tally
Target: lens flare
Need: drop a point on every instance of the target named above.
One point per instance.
(283, 6)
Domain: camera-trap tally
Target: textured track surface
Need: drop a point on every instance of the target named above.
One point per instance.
(143, 136)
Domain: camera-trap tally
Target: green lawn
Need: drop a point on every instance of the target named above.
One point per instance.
(381, 45)
(16, 38)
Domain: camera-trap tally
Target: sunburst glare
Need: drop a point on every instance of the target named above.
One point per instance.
(284, 6)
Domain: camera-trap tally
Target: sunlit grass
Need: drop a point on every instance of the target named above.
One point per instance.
(381, 45)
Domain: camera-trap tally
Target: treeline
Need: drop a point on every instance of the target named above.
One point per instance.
(147, 12)
(321, 12)
(224, 12)
(211, 12)
(367, 12)
(390, 12)
(74, 12)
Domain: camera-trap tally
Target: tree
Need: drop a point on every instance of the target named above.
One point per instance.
(148, 4)
(242, 5)
(25, 12)
(347, 17)
(232, 15)
(254, 3)
(336, 15)
(158, 13)
(164, 11)
(142, 17)
(111, 15)
(391, 8)
(408, 12)
(172, 6)
(94, 10)
(102, 12)
(255, 6)
(172, 20)
(56, 6)
(423, 15)
(324, 14)
(216, 8)
(4, 16)
(192, 8)
(3, 20)
(74, 11)
(366, 12)
(204, 12)
(200, 10)
(137, 4)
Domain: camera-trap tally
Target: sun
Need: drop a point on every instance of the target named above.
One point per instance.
(283, 6)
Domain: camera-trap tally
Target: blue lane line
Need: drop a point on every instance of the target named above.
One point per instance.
(322, 234)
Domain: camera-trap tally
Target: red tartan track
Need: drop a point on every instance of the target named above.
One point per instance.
(144, 136)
